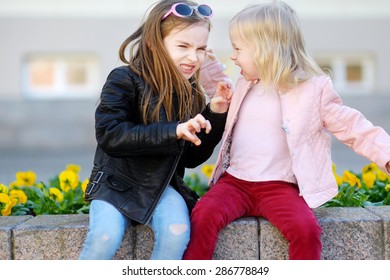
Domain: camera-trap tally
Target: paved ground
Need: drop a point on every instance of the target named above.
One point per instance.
(45, 165)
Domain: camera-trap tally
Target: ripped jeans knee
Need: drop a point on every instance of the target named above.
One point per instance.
(171, 226)
(105, 234)
(178, 229)
(171, 242)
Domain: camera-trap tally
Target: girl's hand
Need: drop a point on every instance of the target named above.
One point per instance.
(221, 99)
(188, 130)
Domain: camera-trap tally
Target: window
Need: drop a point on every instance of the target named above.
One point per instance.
(354, 73)
(351, 73)
(60, 76)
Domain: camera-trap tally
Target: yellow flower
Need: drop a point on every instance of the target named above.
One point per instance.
(370, 167)
(68, 180)
(3, 188)
(4, 198)
(8, 203)
(334, 168)
(56, 194)
(13, 184)
(382, 176)
(338, 178)
(26, 178)
(369, 179)
(73, 167)
(8, 208)
(351, 179)
(19, 195)
(84, 184)
(207, 170)
(387, 188)
(373, 168)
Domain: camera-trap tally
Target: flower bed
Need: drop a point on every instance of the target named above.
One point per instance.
(64, 194)
(369, 187)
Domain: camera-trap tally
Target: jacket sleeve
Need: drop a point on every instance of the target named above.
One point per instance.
(211, 73)
(350, 127)
(196, 155)
(119, 130)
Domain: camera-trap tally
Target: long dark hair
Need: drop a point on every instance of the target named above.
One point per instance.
(149, 59)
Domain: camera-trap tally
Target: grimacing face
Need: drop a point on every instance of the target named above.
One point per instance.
(187, 47)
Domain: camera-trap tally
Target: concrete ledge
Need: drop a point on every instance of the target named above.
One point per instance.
(7, 224)
(348, 234)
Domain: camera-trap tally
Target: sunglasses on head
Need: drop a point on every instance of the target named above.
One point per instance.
(184, 10)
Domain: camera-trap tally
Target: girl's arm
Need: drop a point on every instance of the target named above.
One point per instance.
(119, 130)
(220, 102)
(211, 73)
(350, 126)
(196, 155)
(118, 127)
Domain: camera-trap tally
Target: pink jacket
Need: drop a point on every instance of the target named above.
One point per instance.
(211, 73)
(309, 112)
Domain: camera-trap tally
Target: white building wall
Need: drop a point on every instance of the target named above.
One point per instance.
(45, 134)
(98, 27)
(43, 26)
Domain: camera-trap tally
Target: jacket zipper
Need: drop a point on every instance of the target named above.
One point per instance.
(169, 178)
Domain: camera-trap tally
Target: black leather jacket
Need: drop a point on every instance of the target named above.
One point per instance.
(134, 162)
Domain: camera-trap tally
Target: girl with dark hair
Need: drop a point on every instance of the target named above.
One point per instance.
(152, 122)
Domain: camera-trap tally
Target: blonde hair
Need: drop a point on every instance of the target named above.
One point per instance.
(147, 57)
(273, 30)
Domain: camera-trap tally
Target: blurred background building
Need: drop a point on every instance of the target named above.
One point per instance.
(55, 56)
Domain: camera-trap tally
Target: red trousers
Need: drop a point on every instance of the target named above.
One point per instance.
(279, 202)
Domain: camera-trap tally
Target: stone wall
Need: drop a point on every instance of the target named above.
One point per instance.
(348, 234)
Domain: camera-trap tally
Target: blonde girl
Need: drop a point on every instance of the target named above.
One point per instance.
(275, 159)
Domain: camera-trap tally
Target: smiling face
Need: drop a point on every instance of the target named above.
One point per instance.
(187, 47)
(244, 57)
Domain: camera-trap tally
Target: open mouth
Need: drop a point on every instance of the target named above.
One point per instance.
(187, 68)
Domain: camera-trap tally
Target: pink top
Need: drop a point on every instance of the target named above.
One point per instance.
(257, 156)
(310, 113)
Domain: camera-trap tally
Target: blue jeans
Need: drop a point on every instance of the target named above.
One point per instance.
(170, 223)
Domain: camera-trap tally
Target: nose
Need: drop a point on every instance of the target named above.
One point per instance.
(192, 57)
